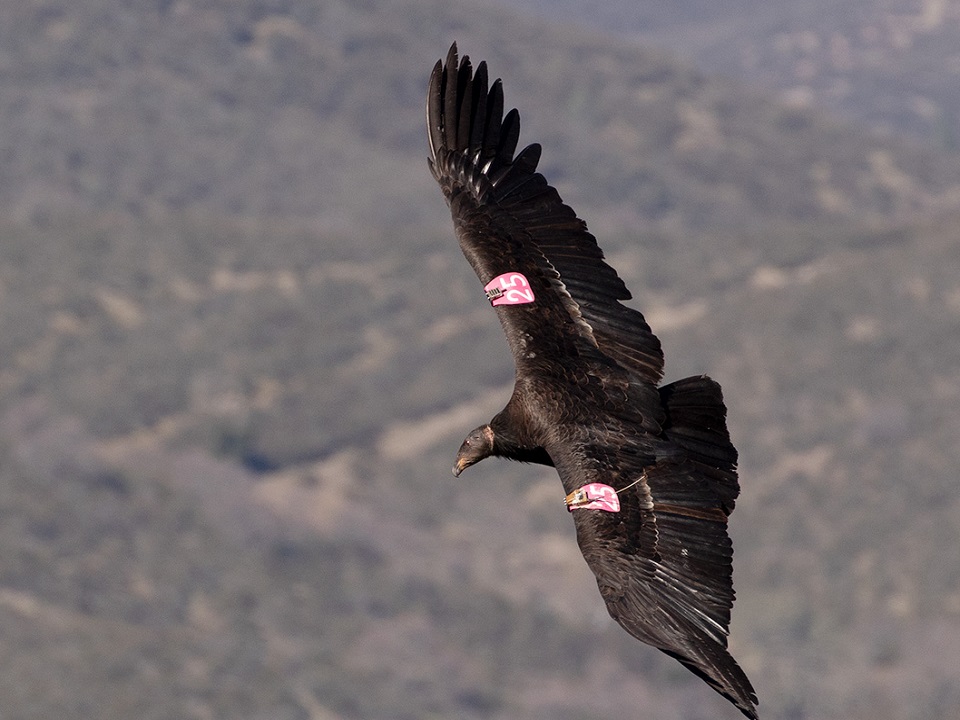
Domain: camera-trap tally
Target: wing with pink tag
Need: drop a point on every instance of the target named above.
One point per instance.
(595, 496)
(510, 288)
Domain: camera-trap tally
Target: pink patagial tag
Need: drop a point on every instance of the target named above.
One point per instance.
(510, 288)
(595, 496)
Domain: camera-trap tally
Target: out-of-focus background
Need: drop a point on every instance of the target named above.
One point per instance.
(240, 347)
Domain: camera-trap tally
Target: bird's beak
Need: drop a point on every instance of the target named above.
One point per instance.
(460, 466)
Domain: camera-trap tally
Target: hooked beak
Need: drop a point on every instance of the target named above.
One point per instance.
(461, 465)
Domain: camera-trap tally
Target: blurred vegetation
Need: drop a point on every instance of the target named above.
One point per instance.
(241, 347)
(889, 64)
(315, 111)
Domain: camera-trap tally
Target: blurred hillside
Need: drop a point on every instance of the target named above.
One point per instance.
(891, 64)
(314, 111)
(228, 409)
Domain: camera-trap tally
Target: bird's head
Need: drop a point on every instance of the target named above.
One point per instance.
(475, 447)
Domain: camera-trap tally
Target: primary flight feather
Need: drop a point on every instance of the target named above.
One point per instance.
(650, 473)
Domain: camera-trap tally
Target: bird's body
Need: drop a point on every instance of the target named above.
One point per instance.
(649, 473)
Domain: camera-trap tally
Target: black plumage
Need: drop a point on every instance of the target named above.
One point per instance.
(585, 398)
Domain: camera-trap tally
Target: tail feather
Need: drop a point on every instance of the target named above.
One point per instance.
(696, 419)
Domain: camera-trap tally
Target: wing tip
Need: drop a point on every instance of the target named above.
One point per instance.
(725, 676)
(465, 116)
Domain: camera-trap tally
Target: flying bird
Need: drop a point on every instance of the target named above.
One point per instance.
(649, 472)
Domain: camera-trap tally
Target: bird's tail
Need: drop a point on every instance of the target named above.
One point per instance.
(697, 421)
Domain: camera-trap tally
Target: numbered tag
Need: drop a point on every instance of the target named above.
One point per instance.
(595, 496)
(510, 288)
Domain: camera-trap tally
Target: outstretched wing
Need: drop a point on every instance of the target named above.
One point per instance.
(510, 221)
(663, 562)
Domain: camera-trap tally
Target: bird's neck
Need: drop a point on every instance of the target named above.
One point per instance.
(514, 437)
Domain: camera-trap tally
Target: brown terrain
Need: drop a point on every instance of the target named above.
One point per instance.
(230, 400)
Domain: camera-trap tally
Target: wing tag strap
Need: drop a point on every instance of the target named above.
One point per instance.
(510, 288)
(595, 496)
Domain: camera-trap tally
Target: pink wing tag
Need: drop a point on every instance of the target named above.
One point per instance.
(595, 496)
(510, 288)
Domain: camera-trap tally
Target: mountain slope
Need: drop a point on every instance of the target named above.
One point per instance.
(242, 346)
(315, 110)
